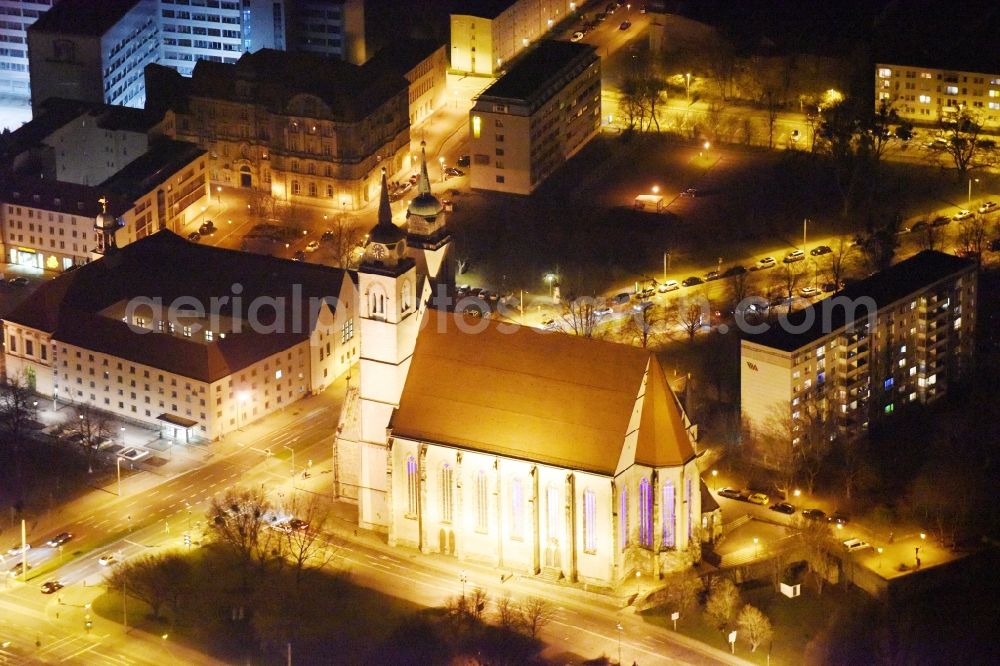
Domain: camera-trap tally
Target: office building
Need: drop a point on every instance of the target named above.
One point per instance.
(901, 336)
(94, 52)
(535, 117)
(193, 30)
(929, 95)
(488, 34)
(307, 129)
(93, 337)
(15, 17)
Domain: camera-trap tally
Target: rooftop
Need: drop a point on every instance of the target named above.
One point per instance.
(546, 397)
(884, 288)
(531, 75)
(402, 55)
(165, 265)
(51, 195)
(161, 161)
(83, 17)
(489, 9)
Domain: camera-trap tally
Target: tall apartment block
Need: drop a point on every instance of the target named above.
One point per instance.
(93, 52)
(535, 117)
(898, 337)
(490, 33)
(15, 17)
(930, 94)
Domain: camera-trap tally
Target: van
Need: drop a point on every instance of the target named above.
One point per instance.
(649, 202)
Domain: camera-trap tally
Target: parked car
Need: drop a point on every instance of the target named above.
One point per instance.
(813, 514)
(839, 518)
(18, 282)
(920, 225)
(712, 275)
(793, 256)
(454, 171)
(299, 255)
(691, 281)
(783, 507)
(602, 312)
(194, 237)
(59, 539)
(464, 161)
(988, 207)
(625, 25)
(766, 262)
(829, 287)
(808, 292)
(312, 246)
(690, 193)
(731, 493)
(962, 214)
(758, 498)
(51, 586)
(941, 220)
(734, 270)
(621, 299)
(107, 559)
(16, 550)
(207, 228)
(669, 285)
(577, 36)
(600, 17)
(994, 245)
(820, 250)
(448, 205)
(18, 569)
(853, 545)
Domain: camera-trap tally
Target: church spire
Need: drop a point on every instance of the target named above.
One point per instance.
(424, 182)
(384, 209)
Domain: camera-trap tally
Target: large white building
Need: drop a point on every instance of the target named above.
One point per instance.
(898, 337)
(15, 17)
(248, 335)
(490, 33)
(535, 117)
(544, 454)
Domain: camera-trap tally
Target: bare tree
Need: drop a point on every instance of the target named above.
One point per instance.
(691, 315)
(786, 279)
(778, 560)
(928, 235)
(813, 446)
(153, 579)
(91, 427)
(18, 408)
(641, 325)
(773, 108)
(238, 520)
(682, 590)
(345, 240)
(739, 289)
(722, 603)
(580, 316)
(302, 543)
(972, 237)
(964, 145)
(754, 626)
(536, 612)
(838, 260)
(260, 205)
(721, 63)
(508, 613)
(819, 545)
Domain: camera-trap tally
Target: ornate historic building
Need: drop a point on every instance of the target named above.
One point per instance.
(306, 129)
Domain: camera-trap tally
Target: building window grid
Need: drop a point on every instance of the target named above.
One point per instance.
(482, 503)
(669, 514)
(412, 487)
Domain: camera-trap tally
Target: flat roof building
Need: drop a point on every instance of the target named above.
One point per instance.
(828, 371)
(424, 65)
(929, 95)
(17, 16)
(535, 117)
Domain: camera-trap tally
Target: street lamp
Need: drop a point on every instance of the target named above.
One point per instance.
(755, 549)
(551, 278)
(465, 579)
(715, 479)
(218, 194)
(656, 189)
(118, 464)
(122, 430)
(687, 85)
(620, 629)
(293, 463)
(880, 557)
(441, 162)
(243, 397)
(971, 180)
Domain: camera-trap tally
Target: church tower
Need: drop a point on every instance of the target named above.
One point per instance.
(428, 238)
(389, 317)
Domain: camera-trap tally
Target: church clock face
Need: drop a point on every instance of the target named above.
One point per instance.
(378, 251)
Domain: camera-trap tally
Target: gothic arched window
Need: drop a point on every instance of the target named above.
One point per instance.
(645, 513)
(668, 507)
(412, 485)
(589, 521)
(482, 502)
(623, 516)
(516, 508)
(447, 475)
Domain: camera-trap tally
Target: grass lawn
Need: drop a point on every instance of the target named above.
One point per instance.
(796, 622)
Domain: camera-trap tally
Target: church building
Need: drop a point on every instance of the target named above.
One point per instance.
(539, 453)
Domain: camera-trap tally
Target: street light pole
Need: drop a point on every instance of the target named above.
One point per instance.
(970, 189)
(118, 465)
(293, 464)
(805, 228)
(620, 629)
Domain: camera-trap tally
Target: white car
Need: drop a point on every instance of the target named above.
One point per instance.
(852, 545)
(808, 292)
(577, 36)
(312, 246)
(602, 312)
(793, 256)
(16, 550)
(962, 215)
(669, 285)
(988, 207)
(766, 262)
(107, 559)
(134, 454)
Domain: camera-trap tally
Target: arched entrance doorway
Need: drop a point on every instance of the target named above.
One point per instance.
(245, 178)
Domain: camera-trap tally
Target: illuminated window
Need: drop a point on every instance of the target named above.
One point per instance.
(884, 72)
(481, 503)
(623, 517)
(411, 487)
(447, 477)
(645, 513)
(690, 504)
(958, 323)
(589, 521)
(277, 374)
(951, 90)
(993, 105)
(888, 408)
(209, 336)
(925, 99)
(477, 126)
(995, 93)
(552, 506)
(516, 508)
(926, 75)
(669, 514)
